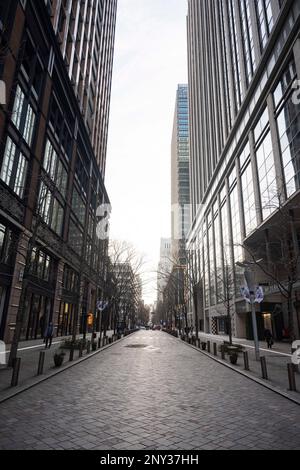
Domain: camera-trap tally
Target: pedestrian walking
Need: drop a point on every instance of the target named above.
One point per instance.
(49, 335)
(269, 338)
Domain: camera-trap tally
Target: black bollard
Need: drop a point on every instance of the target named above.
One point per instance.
(88, 348)
(264, 368)
(292, 379)
(223, 352)
(16, 371)
(99, 343)
(41, 363)
(215, 349)
(208, 346)
(71, 357)
(246, 360)
(80, 350)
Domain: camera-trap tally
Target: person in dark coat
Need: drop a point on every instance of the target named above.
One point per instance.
(49, 335)
(269, 338)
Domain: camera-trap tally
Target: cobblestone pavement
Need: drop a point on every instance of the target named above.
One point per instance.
(29, 353)
(149, 392)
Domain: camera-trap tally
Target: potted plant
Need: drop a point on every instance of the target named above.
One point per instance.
(59, 358)
(233, 357)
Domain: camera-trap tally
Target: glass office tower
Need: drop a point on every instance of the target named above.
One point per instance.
(244, 63)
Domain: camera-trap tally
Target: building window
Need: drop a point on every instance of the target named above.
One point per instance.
(248, 196)
(218, 249)
(75, 238)
(7, 242)
(265, 20)
(78, 206)
(235, 220)
(248, 42)
(40, 265)
(55, 168)
(70, 279)
(23, 116)
(50, 209)
(287, 115)
(14, 168)
(266, 167)
(236, 59)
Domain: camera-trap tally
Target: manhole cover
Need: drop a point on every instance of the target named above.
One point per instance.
(136, 346)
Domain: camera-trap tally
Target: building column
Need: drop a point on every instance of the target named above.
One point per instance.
(16, 287)
(255, 32)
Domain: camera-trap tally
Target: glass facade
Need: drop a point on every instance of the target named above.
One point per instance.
(262, 155)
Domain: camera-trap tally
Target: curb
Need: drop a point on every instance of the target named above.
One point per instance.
(69, 365)
(241, 372)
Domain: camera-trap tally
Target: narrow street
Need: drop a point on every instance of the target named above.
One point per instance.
(149, 391)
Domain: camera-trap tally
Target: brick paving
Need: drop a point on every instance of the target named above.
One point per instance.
(162, 396)
(29, 353)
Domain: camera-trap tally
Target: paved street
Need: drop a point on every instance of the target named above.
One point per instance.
(149, 391)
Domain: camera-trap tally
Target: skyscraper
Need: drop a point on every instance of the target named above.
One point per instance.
(164, 266)
(56, 63)
(244, 62)
(180, 178)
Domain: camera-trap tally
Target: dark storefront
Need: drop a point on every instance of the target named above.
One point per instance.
(38, 308)
(7, 257)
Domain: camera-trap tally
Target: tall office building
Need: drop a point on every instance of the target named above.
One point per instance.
(244, 62)
(164, 266)
(180, 178)
(85, 32)
(56, 63)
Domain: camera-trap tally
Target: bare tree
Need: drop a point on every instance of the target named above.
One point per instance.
(277, 257)
(123, 284)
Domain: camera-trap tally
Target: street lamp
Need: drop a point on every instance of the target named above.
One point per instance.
(250, 279)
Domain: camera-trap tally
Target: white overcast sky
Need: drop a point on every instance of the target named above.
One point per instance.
(150, 61)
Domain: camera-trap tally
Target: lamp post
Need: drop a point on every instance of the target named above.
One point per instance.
(250, 280)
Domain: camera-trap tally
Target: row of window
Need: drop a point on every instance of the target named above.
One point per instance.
(226, 221)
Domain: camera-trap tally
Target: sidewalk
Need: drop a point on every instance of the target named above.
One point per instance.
(276, 361)
(29, 352)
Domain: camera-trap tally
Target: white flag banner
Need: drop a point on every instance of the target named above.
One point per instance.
(259, 295)
(246, 294)
(101, 305)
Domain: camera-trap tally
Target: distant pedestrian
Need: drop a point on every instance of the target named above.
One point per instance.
(269, 338)
(49, 335)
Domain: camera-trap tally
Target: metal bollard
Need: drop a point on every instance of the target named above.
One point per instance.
(198, 343)
(16, 371)
(208, 346)
(215, 349)
(41, 363)
(246, 360)
(88, 347)
(292, 379)
(99, 343)
(71, 357)
(223, 352)
(264, 368)
(80, 349)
